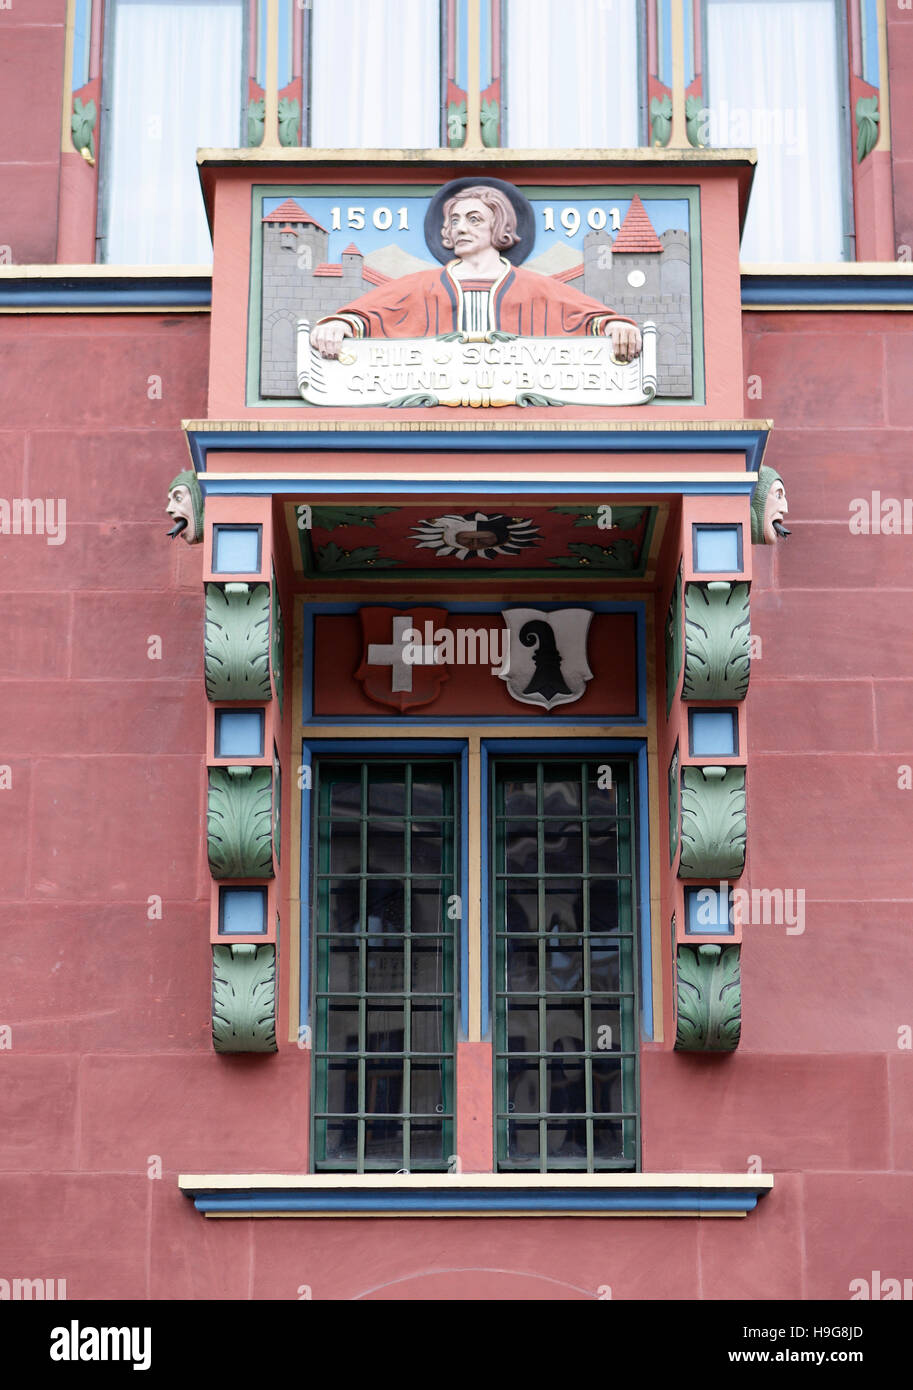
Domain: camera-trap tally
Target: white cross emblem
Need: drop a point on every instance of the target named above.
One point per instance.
(393, 654)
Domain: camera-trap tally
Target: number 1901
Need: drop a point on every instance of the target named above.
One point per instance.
(569, 217)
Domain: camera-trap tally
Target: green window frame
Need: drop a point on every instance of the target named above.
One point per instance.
(565, 965)
(386, 919)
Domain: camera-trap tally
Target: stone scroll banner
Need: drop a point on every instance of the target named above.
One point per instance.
(408, 372)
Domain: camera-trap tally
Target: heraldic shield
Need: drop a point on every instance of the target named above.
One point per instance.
(547, 661)
(398, 669)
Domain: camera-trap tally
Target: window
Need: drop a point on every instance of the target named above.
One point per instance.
(776, 78)
(375, 74)
(172, 83)
(565, 989)
(385, 876)
(573, 74)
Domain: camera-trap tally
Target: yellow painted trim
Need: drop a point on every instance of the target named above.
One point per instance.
(571, 1182)
(104, 272)
(653, 815)
(468, 733)
(292, 933)
(622, 481)
(130, 309)
(474, 906)
(884, 89)
(271, 91)
(822, 269)
(678, 138)
(473, 139)
(66, 140)
(368, 427)
(585, 158)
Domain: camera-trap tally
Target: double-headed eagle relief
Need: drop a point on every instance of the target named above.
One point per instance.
(600, 315)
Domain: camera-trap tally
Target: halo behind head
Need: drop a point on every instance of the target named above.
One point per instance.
(472, 187)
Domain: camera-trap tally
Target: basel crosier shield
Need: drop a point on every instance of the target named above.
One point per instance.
(547, 661)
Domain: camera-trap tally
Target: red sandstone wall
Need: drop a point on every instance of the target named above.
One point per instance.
(31, 80)
(111, 1062)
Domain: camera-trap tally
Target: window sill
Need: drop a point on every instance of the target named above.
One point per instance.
(839, 285)
(475, 1194)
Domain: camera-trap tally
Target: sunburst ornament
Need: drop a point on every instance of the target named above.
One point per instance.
(476, 535)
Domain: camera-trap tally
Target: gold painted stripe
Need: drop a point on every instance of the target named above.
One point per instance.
(884, 83)
(474, 907)
(679, 136)
(66, 141)
(473, 139)
(315, 426)
(105, 309)
(621, 481)
(293, 931)
(822, 269)
(103, 272)
(477, 732)
(504, 159)
(271, 91)
(653, 813)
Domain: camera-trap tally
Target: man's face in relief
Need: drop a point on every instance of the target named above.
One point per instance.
(470, 227)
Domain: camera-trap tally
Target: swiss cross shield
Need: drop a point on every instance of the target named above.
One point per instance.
(399, 665)
(547, 661)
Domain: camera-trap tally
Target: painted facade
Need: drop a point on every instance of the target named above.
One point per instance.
(478, 605)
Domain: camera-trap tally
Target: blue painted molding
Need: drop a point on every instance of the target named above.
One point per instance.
(827, 291)
(543, 1201)
(412, 437)
(28, 291)
(106, 292)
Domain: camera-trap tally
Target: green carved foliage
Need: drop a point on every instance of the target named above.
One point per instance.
(713, 822)
(240, 822)
(456, 123)
(709, 987)
(244, 998)
(289, 114)
(256, 121)
(277, 645)
(673, 641)
(660, 119)
(236, 657)
(694, 120)
(717, 641)
(490, 121)
(82, 125)
(867, 119)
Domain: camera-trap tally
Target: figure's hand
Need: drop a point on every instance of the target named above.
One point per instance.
(626, 340)
(327, 337)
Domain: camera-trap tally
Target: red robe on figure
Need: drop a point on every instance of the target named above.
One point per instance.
(429, 302)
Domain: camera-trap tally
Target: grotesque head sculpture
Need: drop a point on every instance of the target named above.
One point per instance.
(185, 507)
(768, 507)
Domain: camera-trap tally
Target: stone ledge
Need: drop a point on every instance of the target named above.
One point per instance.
(475, 1194)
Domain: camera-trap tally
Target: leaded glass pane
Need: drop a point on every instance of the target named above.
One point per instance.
(565, 966)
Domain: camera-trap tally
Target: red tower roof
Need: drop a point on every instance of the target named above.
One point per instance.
(636, 234)
(289, 211)
(351, 250)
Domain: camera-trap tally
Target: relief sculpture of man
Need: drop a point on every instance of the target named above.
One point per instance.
(478, 294)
